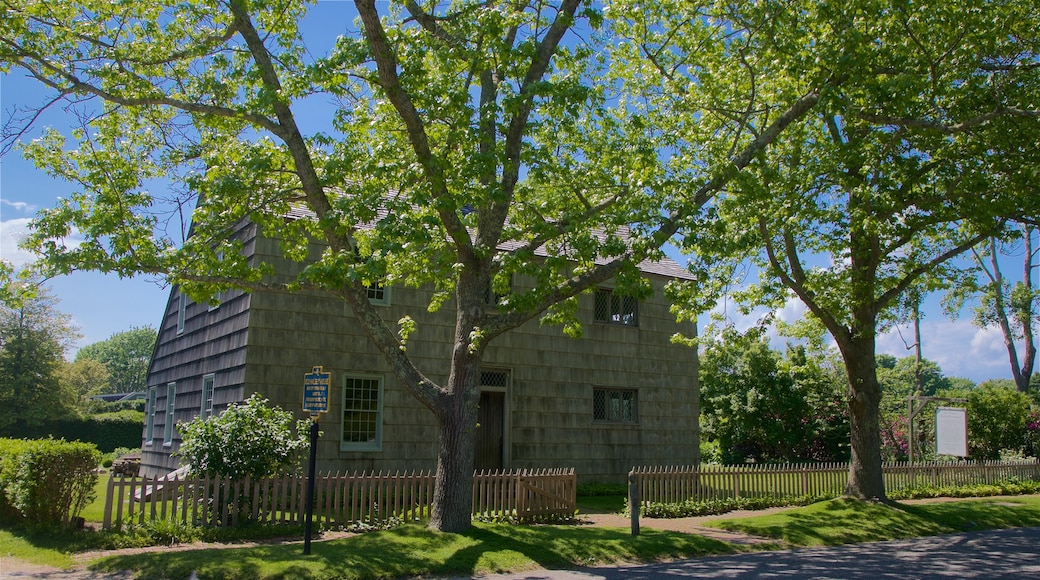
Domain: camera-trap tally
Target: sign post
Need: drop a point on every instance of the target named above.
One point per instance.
(315, 402)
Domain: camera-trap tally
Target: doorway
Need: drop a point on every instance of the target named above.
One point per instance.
(491, 431)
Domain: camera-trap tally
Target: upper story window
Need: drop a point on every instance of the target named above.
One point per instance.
(378, 294)
(182, 310)
(614, 308)
(149, 415)
(492, 298)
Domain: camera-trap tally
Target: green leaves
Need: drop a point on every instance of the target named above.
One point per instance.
(249, 439)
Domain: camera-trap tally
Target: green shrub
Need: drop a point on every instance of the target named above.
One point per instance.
(1008, 487)
(996, 419)
(249, 439)
(10, 450)
(48, 481)
(720, 505)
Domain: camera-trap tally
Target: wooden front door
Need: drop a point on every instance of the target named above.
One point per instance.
(490, 430)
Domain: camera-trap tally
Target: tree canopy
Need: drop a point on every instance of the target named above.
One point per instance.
(896, 171)
(126, 356)
(468, 142)
(564, 141)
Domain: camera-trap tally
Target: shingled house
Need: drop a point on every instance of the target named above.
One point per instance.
(621, 395)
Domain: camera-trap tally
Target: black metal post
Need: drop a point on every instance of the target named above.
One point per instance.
(310, 489)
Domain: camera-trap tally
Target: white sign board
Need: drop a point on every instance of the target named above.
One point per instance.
(951, 431)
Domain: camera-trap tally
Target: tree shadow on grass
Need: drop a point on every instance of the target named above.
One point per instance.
(838, 521)
(981, 514)
(504, 548)
(414, 550)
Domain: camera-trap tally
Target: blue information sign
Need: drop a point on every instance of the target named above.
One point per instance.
(316, 392)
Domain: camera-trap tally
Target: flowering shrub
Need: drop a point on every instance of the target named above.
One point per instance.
(249, 439)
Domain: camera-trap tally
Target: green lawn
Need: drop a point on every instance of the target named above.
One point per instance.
(842, 521)
(601, 504)
(413, 550)
(95, 511)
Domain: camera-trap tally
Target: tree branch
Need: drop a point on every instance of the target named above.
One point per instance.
(944, 128)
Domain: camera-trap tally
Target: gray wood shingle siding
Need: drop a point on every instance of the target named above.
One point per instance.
(213, 341)
(268, 341)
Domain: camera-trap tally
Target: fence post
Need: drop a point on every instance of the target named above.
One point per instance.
(633, 501)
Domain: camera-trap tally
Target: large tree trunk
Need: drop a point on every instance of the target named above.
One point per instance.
(453, 489)
(865, 476)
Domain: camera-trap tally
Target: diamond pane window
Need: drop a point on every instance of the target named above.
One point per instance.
(494, 378)
(614, 405)
(614, 308)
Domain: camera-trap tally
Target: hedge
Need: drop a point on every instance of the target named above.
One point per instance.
(108, 431)
(47, 482)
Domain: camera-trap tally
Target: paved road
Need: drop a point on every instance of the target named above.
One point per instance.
(991, 554)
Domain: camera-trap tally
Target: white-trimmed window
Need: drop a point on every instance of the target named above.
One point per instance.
(378, 294)
(182, 310)
(614, 308)
(614, 405)
(362, 428)
(149, 427)
(171, 406)
(206, 410)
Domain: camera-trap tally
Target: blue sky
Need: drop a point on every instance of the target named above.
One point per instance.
(101, 305)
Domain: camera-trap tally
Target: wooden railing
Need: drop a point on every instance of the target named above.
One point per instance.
(680, 483)
(339, 499)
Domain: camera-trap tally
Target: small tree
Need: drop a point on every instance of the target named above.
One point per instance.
(34, 336)
(249, 439)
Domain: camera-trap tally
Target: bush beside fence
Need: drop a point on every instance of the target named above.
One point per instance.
(340, 500)
(673, 484)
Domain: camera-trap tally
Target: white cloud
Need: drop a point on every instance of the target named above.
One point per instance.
(793, 310)
(12, 232)
(20, 206)
(957, 346)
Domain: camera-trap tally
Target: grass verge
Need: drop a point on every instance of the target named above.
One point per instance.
(413, 550)
(34, 549)
(844, 521)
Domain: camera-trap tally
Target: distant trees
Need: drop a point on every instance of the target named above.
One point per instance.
(898, 378)
(34, 336)
(125, 355)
